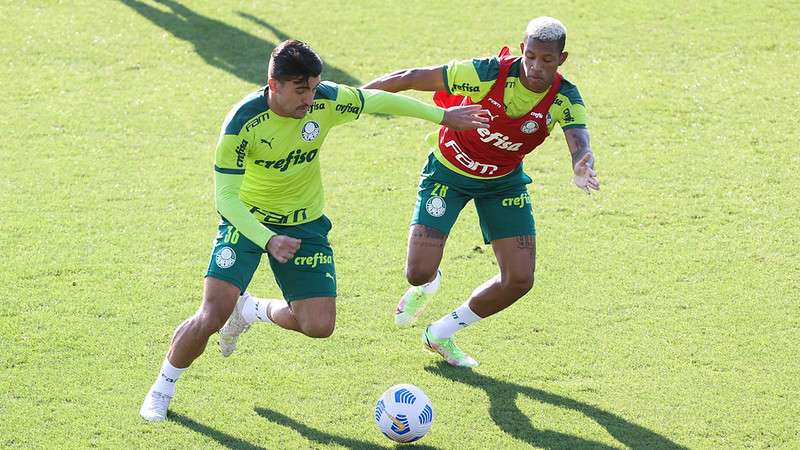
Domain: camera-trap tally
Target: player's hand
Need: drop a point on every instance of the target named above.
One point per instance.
(282, 248)
(585, 176)
(466, 117)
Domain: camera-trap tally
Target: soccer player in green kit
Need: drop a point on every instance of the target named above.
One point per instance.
(525, 97)
(268, 191)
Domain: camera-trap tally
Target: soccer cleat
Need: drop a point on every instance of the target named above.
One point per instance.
(154, 407)
(235, 326)
(448, 349)
(411, 306)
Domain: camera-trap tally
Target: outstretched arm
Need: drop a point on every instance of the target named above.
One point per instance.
(582, 159)
(418, 79)
(455, 117)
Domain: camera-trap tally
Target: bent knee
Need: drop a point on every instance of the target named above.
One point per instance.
(318, 329)
(519, 284)
(209, 323)
(418, 276)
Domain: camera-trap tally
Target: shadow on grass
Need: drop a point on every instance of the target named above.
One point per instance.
(226, 440)
(223, 46)
(509, 418)
(323, 437)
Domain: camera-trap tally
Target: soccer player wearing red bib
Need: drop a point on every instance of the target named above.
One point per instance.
(525, 96)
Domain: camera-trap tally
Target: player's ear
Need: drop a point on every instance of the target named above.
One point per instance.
(522, 47)
(272, 83)
(562, 58)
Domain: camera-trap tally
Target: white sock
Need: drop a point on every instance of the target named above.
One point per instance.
(255, 309)
(432, 286)
(461, 318)
(165, 383)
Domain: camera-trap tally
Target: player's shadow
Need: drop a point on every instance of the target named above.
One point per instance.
(226, 440)
(236, 51)
(323, 437)
(505, 413)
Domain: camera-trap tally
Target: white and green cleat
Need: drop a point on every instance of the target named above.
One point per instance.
(411, 306)
(447, 349)
(233, 328)
(154, 407)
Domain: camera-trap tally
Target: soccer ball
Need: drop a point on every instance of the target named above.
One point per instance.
(404, 413)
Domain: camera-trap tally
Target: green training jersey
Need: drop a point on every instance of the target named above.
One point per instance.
(279, 156)
(475, 78)
(268, 166)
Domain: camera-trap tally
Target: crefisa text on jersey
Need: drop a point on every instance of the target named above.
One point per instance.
(294, 157)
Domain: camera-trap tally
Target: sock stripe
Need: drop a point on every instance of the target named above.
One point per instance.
(457, 320)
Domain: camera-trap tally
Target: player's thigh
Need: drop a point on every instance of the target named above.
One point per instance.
(516, 257)
(506, 214)
(425, 251)
(219, 299)
(437, 208)
(316, 315)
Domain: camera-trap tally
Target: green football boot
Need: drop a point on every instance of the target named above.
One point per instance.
(411, 306)
(448, 349)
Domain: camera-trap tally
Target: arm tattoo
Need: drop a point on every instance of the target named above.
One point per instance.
(578, 143)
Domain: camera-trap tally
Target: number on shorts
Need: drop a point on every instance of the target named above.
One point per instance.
(231, 235)
(439, 190)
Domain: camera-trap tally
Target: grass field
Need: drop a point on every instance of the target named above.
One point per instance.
(666, 308)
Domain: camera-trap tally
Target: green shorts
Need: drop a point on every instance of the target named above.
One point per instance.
(503, 204)
(309, 274)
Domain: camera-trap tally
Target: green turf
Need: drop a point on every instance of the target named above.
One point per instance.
(665, 311)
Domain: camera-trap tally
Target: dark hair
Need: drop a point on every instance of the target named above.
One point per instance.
(562, 43)
(294, 60)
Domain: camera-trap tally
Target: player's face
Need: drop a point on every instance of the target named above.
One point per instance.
(540, 62)
(292, 98)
